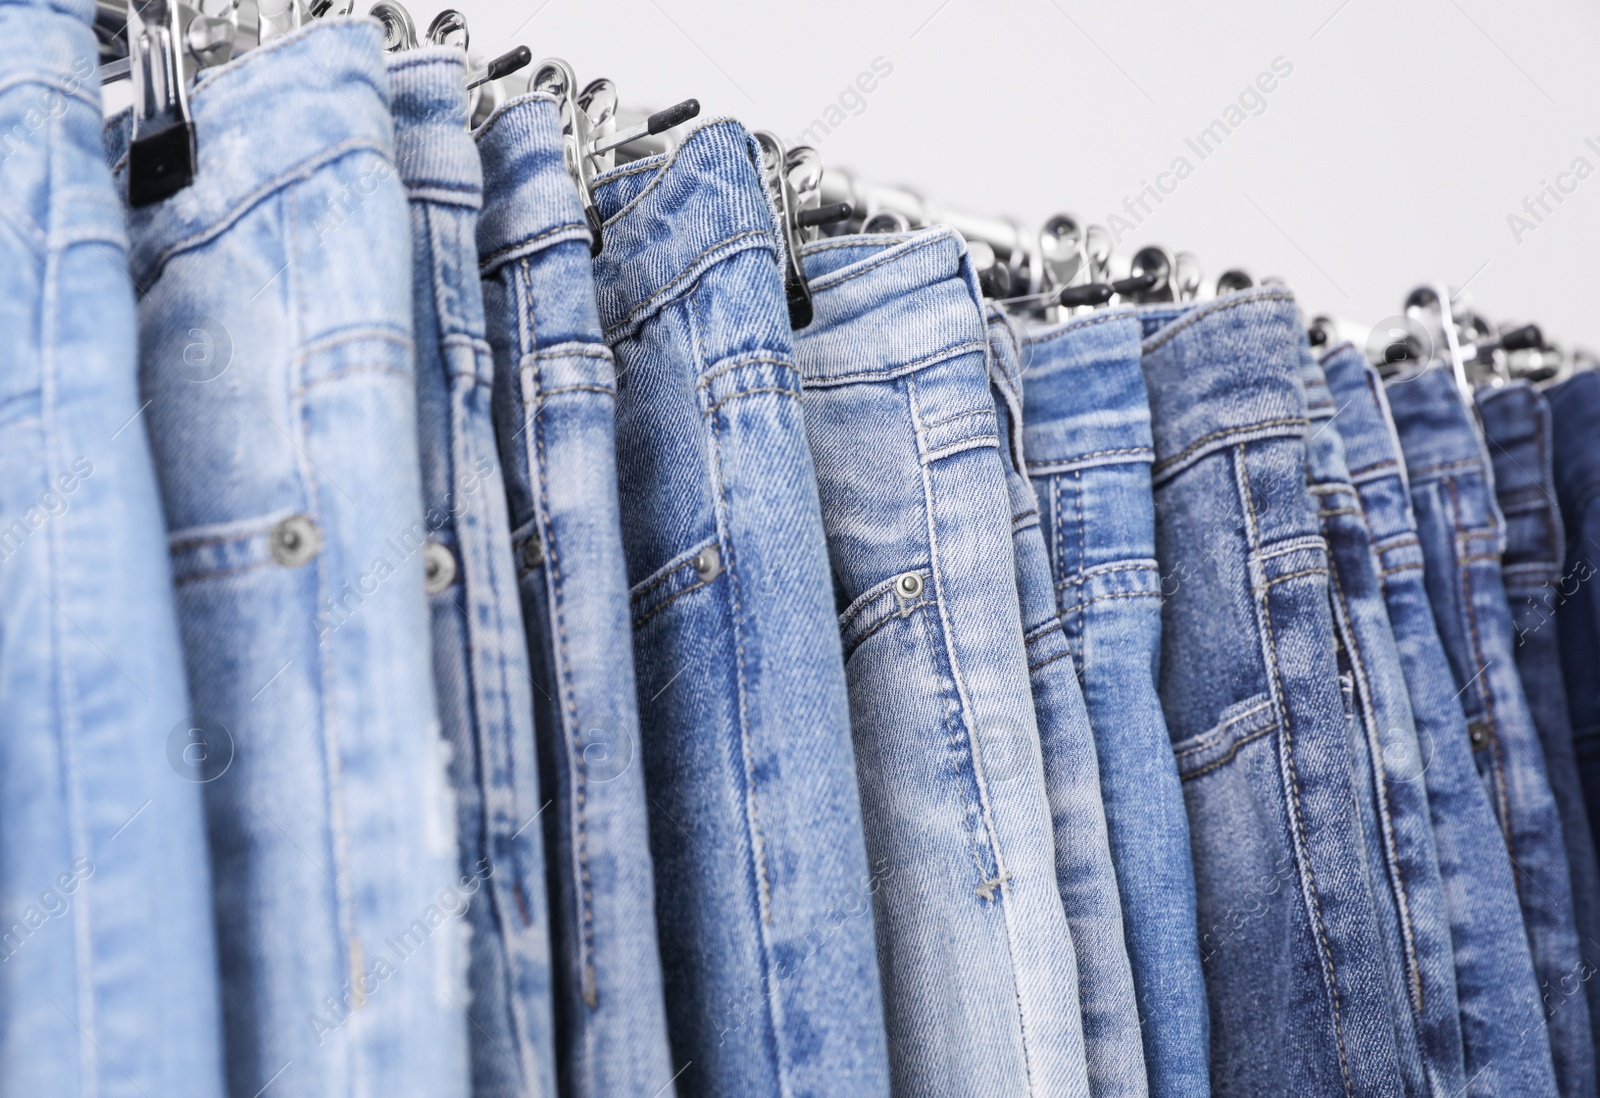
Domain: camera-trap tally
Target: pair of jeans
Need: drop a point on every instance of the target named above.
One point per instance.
(1574, 410)
(1086, 434)
(763, 889)
(980, 982)
(1463, 534)
(108, 978)
(1295, 970)
(1387, 764)
(555, 405)
(1504, 1049)
(1084, 871)
(480, 661)
(1516, 425)
(276, 358)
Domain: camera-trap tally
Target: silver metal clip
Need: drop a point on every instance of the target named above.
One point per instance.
(555, 77)
(161, 153)
(775, 174)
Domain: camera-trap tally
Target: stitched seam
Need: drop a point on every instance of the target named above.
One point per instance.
(545, 524)
(1211, 737)
(573, 348)
(905, 612)
(1463, 575)
(488, 265)
(1199, 443)
(1129, 450)
(743, 360)
(355, 371)
(1083, 603)
(1032, 667)
(729, 399)
(1106, 570)
(1286, 741)
(1042, 631)
(1369, 718)
(1076, 326)
(1287, 576)
(958, 416)
(682, 284)
(668, 601)
(1233, 752)
(891, 373)
(888, 255)
(668, 570)
(1166, 335)
(603, 390)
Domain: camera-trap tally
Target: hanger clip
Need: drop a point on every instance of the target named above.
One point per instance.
(161, 154)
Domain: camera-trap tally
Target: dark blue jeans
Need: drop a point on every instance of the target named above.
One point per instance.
(1574, 410)
(1463, 533)
(1506, 1053)
(1516, 422)
(1295, 968)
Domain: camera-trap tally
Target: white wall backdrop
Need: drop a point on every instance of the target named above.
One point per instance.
(1400, 141)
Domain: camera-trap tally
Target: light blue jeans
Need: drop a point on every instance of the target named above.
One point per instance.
(979, 974)
(555, 406)
(1295, 969)
(108, 980)
(1086, 431)
(1084, 874)
(763, 888)
(276, 359)
(480, 658)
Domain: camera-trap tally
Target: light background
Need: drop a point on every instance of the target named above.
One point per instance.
(1393, 154)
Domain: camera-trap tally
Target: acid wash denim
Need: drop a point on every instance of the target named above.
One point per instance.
(1084, 872)
(1516, 425)
(276, 359)
(1086, 433)
(1574, 410)
(1295, 971)
(1387, 765)
(763, 889)
(555, 407)
(108, 979)
(1504, 1047)
(1463, 534)
(480, 660)
(979, 975)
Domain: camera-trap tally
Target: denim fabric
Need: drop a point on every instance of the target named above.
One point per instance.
(480, 662)
(276, 359)
(108, 981)
(979, 976)
(1462, 534)
(555, 404)
(1503, 1041)
(1388, 765)
(1086, 433)
(1574, 410)
(1516, 424)
(762, 880)
(1084, 872)
(1294, 965)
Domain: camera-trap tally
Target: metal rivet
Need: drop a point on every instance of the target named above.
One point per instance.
(533, 551)
(294, 541)
(708, 563)
(1478, 733)
(908, 585)
(438, 567)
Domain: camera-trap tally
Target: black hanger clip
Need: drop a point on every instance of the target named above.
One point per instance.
(161, 153)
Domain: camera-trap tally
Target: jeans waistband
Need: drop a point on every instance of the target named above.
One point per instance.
(534, 203)
(1320, 404)
(432, 149)
(887, 305)
(669, 218)
(1224, 373)
(1084, 397)
(1516, 423)
(1363, 412)
(262, 122)
(1438, 429)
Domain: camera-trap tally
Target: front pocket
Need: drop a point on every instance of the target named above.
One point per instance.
(1238, 725)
